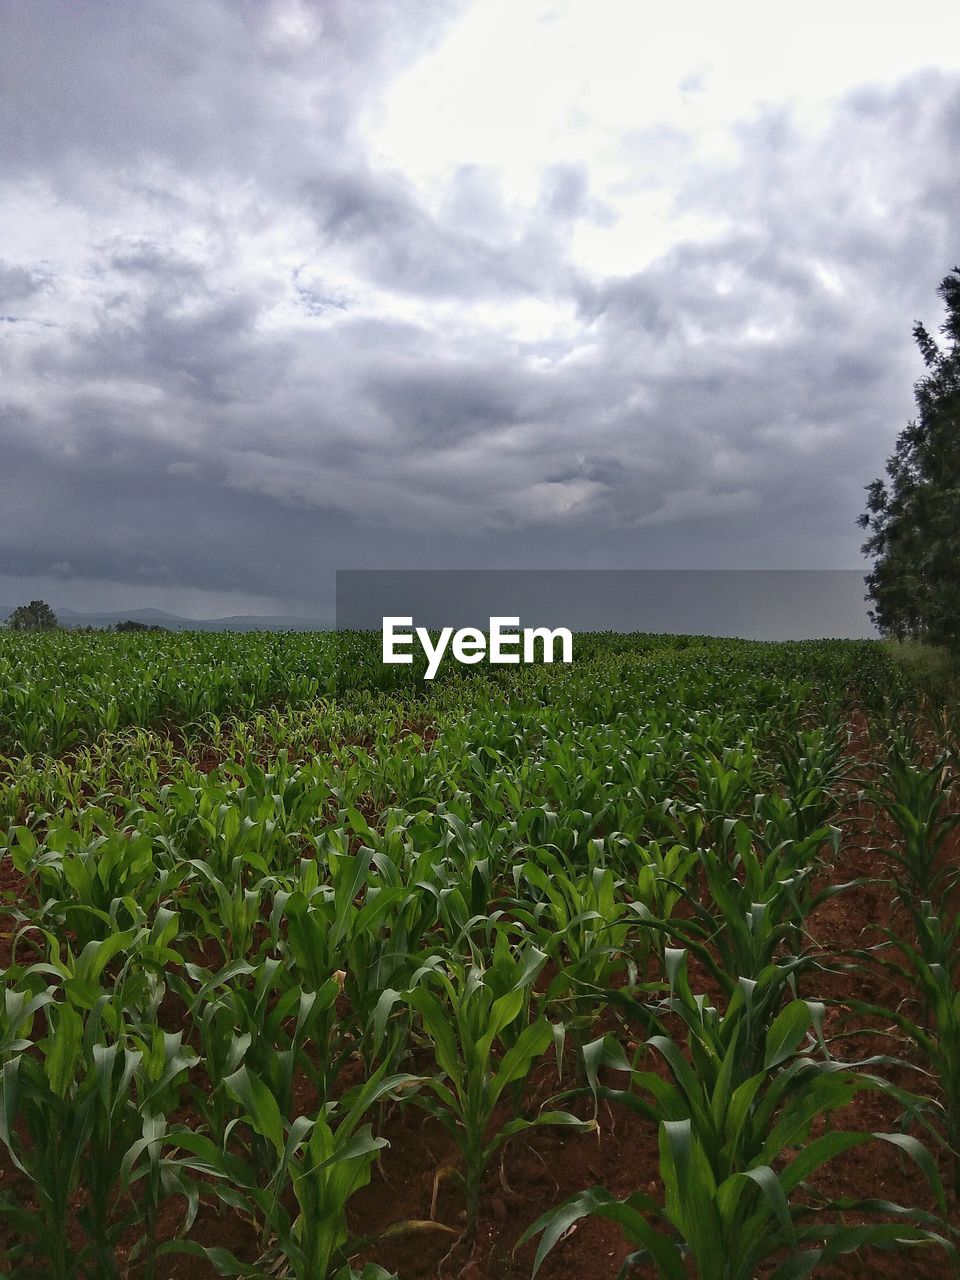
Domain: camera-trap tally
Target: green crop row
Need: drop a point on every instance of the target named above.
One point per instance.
(514, 901)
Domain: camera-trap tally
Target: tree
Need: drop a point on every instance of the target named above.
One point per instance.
(35, 616)
(914, 515)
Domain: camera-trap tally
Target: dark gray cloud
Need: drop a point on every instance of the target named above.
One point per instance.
(246, 86)
(241, 348)
(398, 244)
(17, 283)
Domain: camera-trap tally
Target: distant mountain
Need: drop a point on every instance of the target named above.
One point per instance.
(172, 622)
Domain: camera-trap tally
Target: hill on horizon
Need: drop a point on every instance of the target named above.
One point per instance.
(174, 622)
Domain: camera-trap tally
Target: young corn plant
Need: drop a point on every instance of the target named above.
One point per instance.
(583, 927)
(226, 908)
(326, 936)
(318, 1164)
(259, 1015)
(931, 1022)
(468, 1021)
(811, 769)
(69, 1113)
(750, 929)
(120, 977)
(916, 797)
(658, 876)
(97, 883)
(722, 784)
(736, 1150)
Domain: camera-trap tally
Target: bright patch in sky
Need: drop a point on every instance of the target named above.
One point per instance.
(519, 87)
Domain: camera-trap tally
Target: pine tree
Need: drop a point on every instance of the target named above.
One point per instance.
(914, 515)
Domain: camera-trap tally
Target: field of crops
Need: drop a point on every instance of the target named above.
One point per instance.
(646, 965)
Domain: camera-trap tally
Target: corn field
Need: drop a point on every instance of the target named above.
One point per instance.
(644, 966)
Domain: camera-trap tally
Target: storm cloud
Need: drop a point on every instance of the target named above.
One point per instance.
(291, 287)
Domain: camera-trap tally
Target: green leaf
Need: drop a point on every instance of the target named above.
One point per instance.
(786, 1033)
(61, 1061)
(259, 1104)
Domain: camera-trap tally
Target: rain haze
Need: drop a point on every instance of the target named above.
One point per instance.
(287, 288)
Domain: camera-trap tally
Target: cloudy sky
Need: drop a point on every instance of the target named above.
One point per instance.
(294, 286)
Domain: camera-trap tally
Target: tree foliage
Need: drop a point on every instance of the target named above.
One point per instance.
(913, 516)
(35, 616)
